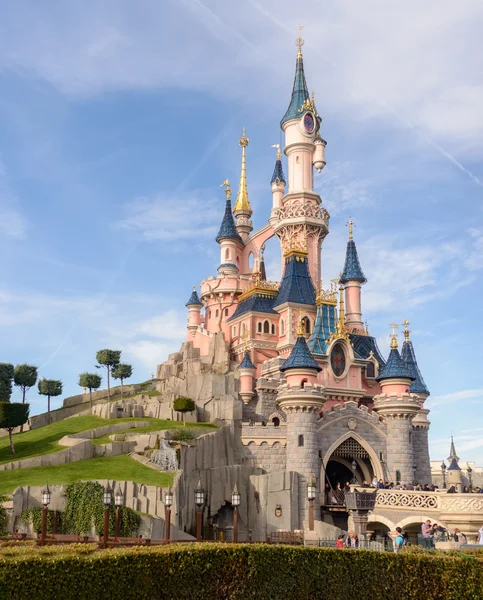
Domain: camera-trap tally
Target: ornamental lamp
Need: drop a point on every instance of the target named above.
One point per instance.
(119, 498)
(235, 497)
(443, 466)
(199, 495)
(311, 488)
(168, 498)
(469, 470)
(46, 495)
(107, 496)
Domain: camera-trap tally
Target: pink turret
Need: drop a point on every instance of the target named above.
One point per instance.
(247, 378)
(352, 278)
(194, 306)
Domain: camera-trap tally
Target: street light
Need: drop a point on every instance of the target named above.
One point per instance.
(46, 496)
(118, 501)
(469, 470)
(354, 469)
(235, 501)
(443, 471)
(311, 494)
(199, 501)
(168, 502)
(107, 499)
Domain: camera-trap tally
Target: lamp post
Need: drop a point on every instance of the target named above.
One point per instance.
(107, 499)
(118, 501)
(199, 501)
(168, 502)
(443, 471)
(311, 493)
(469, 470)
(354, 469)
(235, 501)
(359, 504)
(45, 504)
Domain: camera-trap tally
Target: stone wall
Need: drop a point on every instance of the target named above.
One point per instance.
(269, 456)
(421, 455)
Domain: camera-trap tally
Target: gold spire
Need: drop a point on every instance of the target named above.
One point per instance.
(226, 185)
(393, 336)
(350, 225)
(242, 202)
(341, 321)
(279, 154)
(406, 331)
(299, 42)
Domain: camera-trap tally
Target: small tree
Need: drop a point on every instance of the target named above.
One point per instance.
(25, 377)
(13, 415)
(122, 372)
(6, 376)
(184, 405)
(49, 388)
(91, 381)
(108, 359)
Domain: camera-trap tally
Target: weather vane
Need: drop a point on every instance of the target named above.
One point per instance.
(350, 225)
(299, 42)
(279, 154)
(226, 185)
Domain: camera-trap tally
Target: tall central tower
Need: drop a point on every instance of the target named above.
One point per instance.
(299, 219)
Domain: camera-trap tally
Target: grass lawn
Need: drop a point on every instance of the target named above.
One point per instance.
(119, 468)
(44, 440)
(157, 425)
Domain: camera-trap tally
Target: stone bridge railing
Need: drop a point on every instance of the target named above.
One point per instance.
(438, 502)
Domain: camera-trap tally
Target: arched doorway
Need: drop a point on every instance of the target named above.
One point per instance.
(349, 461)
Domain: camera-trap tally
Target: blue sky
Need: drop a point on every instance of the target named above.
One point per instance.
(119, 120)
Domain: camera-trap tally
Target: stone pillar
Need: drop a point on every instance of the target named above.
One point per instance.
(302, 455)
(421, 447)
(398, 410)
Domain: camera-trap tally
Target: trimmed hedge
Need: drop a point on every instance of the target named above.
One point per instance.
(232, 572)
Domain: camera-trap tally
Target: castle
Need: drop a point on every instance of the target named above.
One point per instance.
(289, 364)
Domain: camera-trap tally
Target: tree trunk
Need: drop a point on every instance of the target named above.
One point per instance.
(108, 383)
(122, 389)
(184, 419)
(23, 402)
(48, 407)
(90, 398)
(12, 448)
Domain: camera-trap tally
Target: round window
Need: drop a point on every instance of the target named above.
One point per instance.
(337, 360)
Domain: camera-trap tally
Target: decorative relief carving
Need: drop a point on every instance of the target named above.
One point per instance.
(352, 424)
(461, 504)
(402, 499)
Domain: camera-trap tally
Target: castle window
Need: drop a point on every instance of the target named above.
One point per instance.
(276, 422)
(302, 383)
(226, 312)
(251, 260)
(266, 327)
(217, 312)
(227, 254)
(243, 329)
(306, 324)
(301, 441)
(282, 327)
(209, 315)
(297, 159)
(259, 327)
(398, 476)
(370, 370)
(233, 329)
(273, 329)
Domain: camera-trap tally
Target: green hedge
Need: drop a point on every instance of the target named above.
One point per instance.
(232, 572)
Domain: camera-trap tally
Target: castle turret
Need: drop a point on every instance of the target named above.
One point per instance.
(228, 238)
(397, 406)
(278, 180)
(247, 378)
(301, 399)
(352, 278)
(242, 209)
(319, 153)
(454, 475)
(420, 422)
(194, 306)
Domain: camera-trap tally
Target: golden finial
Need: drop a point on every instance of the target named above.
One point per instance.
(406, 331)
(294, 246)
(279, 154)
(393, 335)
(341, 321)
(350, 225)
(299, 42)
(226, 185)
(262, 251)
(367, 328)
(242, 203)
(301, 328)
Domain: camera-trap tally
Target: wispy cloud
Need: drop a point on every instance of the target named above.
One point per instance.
(458, 396)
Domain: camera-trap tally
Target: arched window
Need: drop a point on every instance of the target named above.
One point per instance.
(301, 441)
(251, 260)
(233, 329)
(297, 159)
(302, 383)
(370, 370)
(237, 262)
(243, 329)
(259, 327)
(306, 324)
(227, 254)
(273, 329)
(276, 422)
(226, 312)
(209, 315)
(282, 327)
(266, 327)
(217, 312)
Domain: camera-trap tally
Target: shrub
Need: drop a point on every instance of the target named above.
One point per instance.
(34, 516)
(3, 517)
(233, 572)
(182, 435)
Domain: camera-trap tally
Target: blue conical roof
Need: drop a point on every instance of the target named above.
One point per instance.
(395, 368)
(417, 386)
(278, 176)
(352, 267)
(246, 363)
(325, 324)
(300, 95)
(228, 229)
(300, 357)
(194, 299)
(296, 285)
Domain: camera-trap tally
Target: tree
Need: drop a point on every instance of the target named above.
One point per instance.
(13, 415)
(6, 376)
(25, 377)
(108, 359)
(49, 388)
(91, 381)
(184, 405)
(122, 372)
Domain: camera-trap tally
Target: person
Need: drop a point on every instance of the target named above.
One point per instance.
(478, 490)
(466, 490)
(458, 536)
(398, 540)
(380, 484)
(352, 540)
(347, 487)
(374, 482)
(340, 542)
(451, 490)
(426, 531)
(480, 535)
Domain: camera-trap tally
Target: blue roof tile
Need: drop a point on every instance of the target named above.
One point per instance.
(296, 285)
(246, 363)
(300, 94)
(300, 357)
(395, 367)
(417, 386)
(352, 267)
(453, 465)
(254, 303)
(194, 299)
(363, 345)
(228, 229)
(228, 265)
(278, 176)
(325, 324)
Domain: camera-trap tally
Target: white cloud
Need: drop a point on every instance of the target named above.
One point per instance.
(342, 189)
(458, 396)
